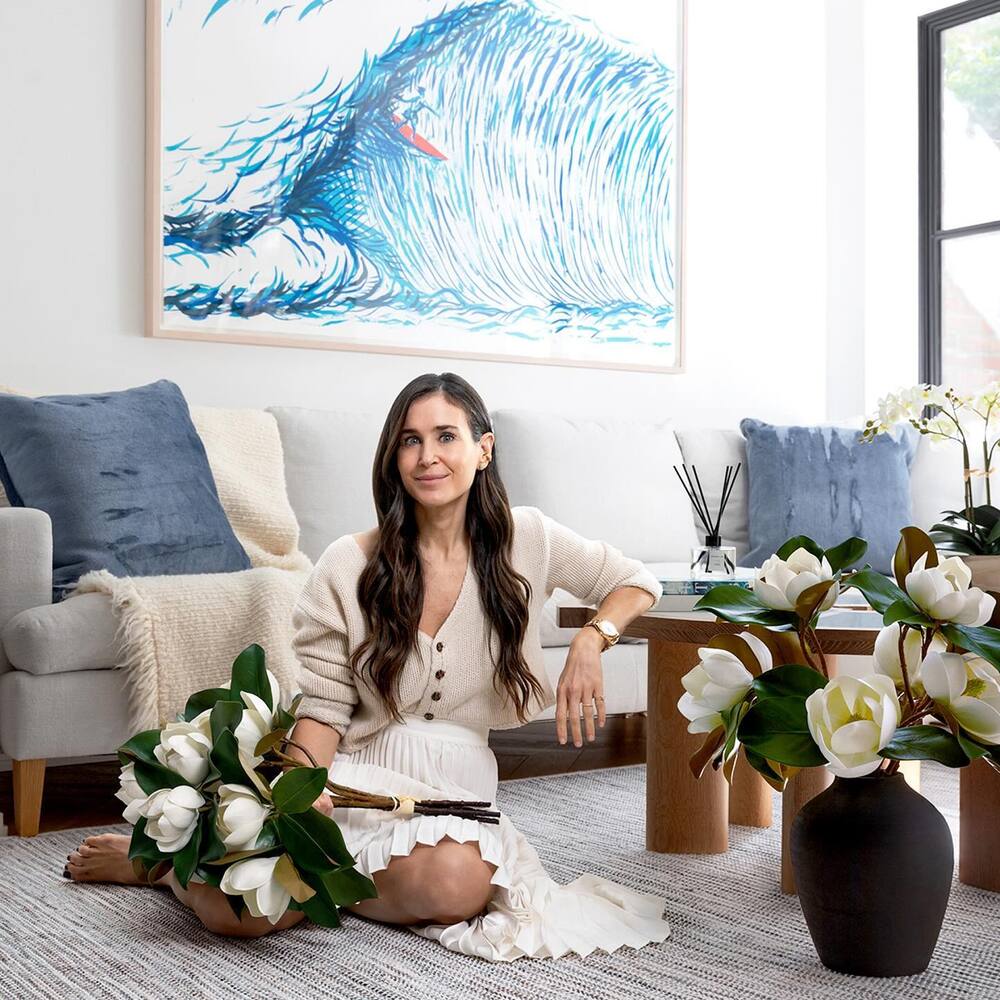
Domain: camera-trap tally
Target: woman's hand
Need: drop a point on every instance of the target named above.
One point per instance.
(580, 684)
(324, 803)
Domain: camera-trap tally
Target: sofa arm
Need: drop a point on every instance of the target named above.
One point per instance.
(25, 564)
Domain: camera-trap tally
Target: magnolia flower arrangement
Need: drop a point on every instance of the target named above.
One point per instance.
(934, 693)
(971, 420)
(215, 796)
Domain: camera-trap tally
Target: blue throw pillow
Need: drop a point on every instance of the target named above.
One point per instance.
(124, 478)
(824, 483)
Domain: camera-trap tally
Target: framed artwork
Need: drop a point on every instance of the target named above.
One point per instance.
(496, 180)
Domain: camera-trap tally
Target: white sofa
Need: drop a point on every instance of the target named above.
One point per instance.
(606, 478)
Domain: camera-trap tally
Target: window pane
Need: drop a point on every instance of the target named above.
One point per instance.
(970, 311)
(970, 122)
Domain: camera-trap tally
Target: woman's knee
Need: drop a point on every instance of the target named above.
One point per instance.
(212, 908)
(457, 881)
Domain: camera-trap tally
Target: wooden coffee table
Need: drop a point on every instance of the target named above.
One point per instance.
(685, 815)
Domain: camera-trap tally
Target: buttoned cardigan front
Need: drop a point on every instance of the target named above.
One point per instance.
(450, 675)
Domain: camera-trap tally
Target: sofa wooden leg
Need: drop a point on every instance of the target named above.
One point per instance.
(29, 780)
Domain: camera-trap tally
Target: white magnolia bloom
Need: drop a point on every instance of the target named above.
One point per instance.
(779, 582)
(943, 592)
(130, 792)
(184, 747)
(258, 719)
(851, 719)
(255, 880)
(718, 682)
(887, 654)
(969, 687)
(240, 817)
(171, 816)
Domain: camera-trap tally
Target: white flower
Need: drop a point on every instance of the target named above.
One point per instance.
(240, 817)
(130, 793)
(718, 682)
(969, 687)
(778, 583)
(851, 719)
(943, 592)
(171, 816)
(887, 654)
(256, 881)
(258, 719)
(184, 747)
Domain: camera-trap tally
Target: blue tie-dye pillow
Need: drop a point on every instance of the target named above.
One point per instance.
(824, 483)
(124, 478)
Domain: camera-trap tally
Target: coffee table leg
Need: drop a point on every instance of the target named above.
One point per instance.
(751, 800)
(684, 814)
(979, 826)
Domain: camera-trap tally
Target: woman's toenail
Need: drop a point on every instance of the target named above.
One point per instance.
(66, 873)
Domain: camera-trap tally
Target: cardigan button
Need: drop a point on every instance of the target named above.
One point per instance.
(428, 715)
(439, 646)
(439, 674)
(436, 696)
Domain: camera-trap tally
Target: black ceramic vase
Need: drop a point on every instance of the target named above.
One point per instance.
(873, 863)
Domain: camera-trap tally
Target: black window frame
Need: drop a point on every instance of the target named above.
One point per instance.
(932, 236)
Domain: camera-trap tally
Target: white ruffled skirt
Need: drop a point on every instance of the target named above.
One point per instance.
(529, 915)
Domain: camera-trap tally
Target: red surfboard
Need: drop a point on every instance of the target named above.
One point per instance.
(406, 131)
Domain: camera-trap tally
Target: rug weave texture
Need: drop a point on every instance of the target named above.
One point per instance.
(733, 932)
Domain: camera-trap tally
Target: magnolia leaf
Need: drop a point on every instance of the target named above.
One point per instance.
(739, 648)
(729, 767)
(737, 604)
(925, 743)
(140, 747)
(701, 759)
(812, 597)
(765, 769)
(879, 590)
(251, 773)
(228, 859)
(785, 647)
(271, 739)
(152, 777)
(790, 680)
(846, 553)
(906, 612)
(250, 674)
(288, 878)
(347, 885)
(983, 641)
(777, 728)
(913, 543)
(202, 700)
(799, 542)
(296, 790)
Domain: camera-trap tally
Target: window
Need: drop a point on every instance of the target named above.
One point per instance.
(960, 195)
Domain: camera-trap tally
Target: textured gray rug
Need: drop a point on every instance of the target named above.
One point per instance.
(734, 933)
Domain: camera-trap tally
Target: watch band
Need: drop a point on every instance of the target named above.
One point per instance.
(608, 642)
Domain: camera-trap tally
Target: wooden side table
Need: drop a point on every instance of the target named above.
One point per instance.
(685, 815)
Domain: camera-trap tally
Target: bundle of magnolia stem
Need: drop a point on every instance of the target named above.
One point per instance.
(345, 797)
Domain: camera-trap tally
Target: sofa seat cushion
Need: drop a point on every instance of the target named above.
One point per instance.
(75, 634)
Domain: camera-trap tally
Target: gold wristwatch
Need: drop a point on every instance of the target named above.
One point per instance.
(607, 629)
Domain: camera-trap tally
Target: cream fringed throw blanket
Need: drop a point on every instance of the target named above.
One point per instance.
(180, 634)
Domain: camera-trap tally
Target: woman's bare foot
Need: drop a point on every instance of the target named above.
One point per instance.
(102, 858)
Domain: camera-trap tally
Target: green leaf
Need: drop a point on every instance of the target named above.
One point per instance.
(777, 728)
(186, 859)
(879, 590)
(799, 542)
(790, 681)
(812, 597)
(906, 612)
(140, 747)
(846, 553)
(226, 715)
(213, 876)
(761, 766)
(296, 790)
(143, 846)
(346, 886)
(250, 674)
(320, 912)
(153, 777)
(314, 841)
(925, 743)
(731, 720)
(983, 641)
(212, 846)
(225, 757)
(202, 700)
(737, 604)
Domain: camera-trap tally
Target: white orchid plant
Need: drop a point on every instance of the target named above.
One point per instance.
(766, 692)
(215, 796)
(973, 421)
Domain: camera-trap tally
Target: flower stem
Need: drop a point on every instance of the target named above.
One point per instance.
(903, 629)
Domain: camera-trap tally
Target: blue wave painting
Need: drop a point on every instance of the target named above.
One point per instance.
(498, 174)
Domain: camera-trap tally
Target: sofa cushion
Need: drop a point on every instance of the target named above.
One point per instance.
(75, 634)
(607, 478)
(826, 483)
(328, 472)
(125, 479)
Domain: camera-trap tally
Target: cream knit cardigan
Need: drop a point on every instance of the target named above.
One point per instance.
(455, 665)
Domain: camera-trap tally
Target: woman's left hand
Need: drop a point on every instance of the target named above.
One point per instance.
(581, 683)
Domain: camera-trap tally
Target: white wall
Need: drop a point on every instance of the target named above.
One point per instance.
(71, 268)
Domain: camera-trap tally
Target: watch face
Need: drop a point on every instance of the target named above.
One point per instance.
(607, 628)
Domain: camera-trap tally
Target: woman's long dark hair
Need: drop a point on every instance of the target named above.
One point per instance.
(391, 588)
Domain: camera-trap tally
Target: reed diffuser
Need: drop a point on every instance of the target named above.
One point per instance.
(713, 560)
